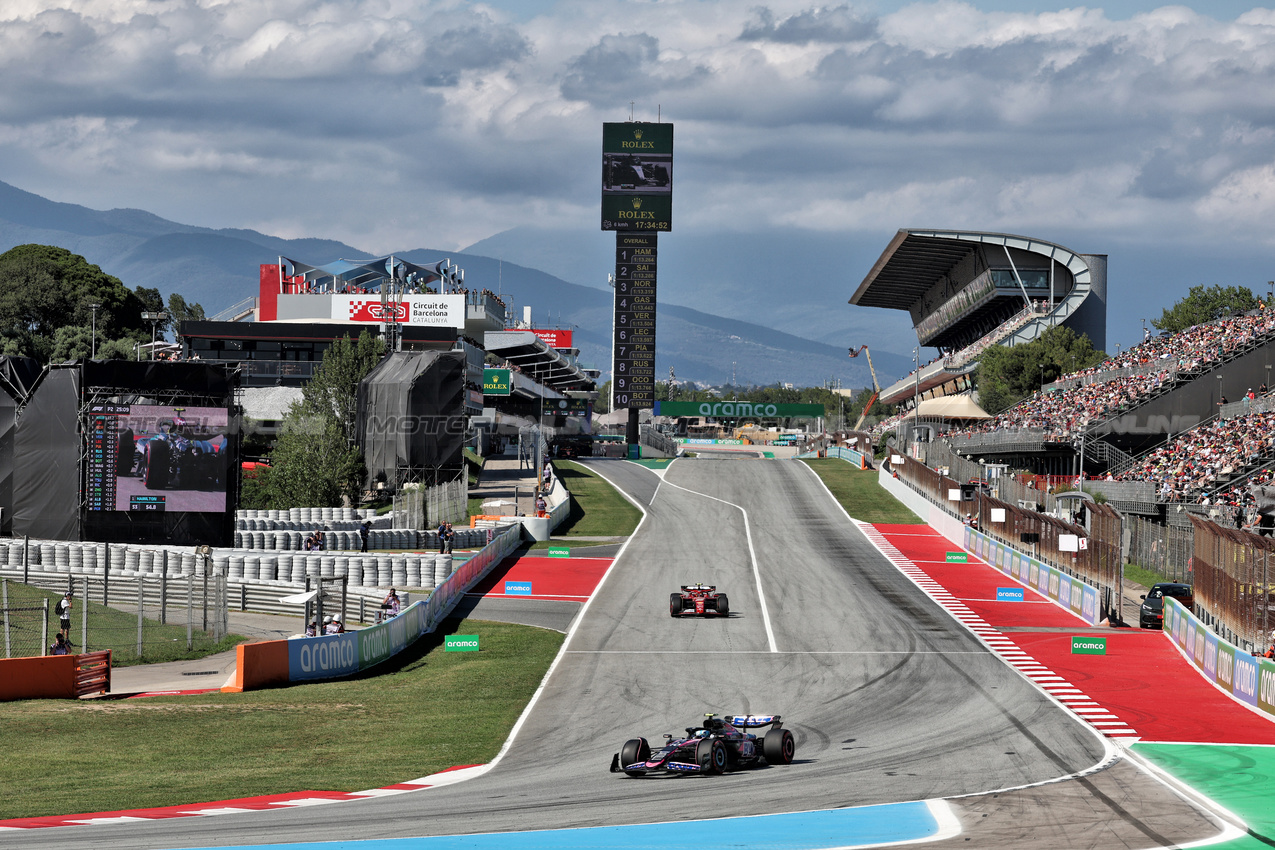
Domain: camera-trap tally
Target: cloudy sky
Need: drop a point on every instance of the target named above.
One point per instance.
(396, 124)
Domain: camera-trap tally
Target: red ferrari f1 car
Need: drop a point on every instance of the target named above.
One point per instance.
(716, 747)
(698, 599)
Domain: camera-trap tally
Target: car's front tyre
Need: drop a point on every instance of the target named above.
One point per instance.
(634, 750)
(712, 756)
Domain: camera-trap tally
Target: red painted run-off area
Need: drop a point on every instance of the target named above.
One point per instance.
(1142, 679)
(571, 579)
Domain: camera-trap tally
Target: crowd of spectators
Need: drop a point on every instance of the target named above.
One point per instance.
(1186, 468)
(1064, 413)
(1193, 348)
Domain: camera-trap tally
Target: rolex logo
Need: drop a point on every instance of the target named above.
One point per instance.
(637, 203)
(637, 134)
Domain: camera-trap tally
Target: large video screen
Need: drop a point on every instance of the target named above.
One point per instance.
(147, 458)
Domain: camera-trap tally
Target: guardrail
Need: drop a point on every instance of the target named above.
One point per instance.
(93, 673)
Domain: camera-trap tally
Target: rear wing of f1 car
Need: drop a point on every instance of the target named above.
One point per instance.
(753, 721)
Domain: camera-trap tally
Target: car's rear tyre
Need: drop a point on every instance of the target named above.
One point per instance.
(156, 464)
(722, 604)
(711, 755)
(674, 604)
(778, 747)
(125, 453)
(634, 751)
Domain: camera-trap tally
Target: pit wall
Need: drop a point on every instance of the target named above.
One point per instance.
(277, 662)
(1063, 590)
(1246, 678)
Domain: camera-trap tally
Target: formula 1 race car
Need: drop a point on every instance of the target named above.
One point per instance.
(698, 599)
(173, 457)
(716, 747)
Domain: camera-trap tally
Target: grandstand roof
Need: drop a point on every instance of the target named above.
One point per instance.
(915, 259)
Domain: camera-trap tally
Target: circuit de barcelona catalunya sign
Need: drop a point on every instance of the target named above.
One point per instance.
(737, 409)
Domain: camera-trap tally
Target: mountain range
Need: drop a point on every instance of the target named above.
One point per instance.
(219, 268)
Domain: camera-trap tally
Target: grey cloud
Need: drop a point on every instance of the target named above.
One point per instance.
(832, 25)
(624, 67)
(472, 48)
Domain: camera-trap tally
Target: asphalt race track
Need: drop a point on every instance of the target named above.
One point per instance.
(889, 698)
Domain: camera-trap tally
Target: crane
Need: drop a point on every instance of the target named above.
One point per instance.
(876, 387)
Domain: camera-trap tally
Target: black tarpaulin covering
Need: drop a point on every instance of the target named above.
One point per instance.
(411, 421)
(8, 417)
(197, 379)
(18, 375)
(46, 452)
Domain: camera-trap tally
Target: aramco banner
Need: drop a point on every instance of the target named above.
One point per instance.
(738, 409)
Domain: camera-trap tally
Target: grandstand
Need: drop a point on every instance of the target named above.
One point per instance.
(966, 291)
(1132, 403)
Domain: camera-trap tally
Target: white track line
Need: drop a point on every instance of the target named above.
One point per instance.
(752, 555)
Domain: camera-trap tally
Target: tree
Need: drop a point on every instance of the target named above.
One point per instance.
(44, 288)
(1206, 305)
(315, 461)
(332, 394)
(312, 464)
(1007, 375)
(180, 311)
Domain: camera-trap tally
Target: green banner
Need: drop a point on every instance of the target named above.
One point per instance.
(497, 382)
(460, 643)
(1088, 646)
(958, 557)
(559, 551)
(738, 409)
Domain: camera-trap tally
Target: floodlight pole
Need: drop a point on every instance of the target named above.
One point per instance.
(93, 349)
(154, 317)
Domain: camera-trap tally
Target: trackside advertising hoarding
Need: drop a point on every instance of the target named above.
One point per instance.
(330, 656)
(333, 656)
(738, 409)
(1245, 677)
(1070, 593)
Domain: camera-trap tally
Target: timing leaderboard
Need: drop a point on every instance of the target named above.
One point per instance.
(103, 456)
(633, 350)
(103, 467)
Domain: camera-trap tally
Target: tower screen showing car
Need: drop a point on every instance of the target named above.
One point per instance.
(147, 457)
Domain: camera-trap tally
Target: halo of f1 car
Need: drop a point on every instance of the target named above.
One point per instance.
(698, 599)
(716, 747)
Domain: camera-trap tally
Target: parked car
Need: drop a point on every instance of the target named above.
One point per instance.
(1152, 614)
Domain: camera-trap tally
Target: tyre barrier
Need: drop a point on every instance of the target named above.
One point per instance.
(408, 569)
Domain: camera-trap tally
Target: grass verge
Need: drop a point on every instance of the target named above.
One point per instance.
(116, 630)
(597, 508)
(859, 493)
(1142, 576)
(423, 711)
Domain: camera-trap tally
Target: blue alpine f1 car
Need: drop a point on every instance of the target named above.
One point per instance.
(721, 744)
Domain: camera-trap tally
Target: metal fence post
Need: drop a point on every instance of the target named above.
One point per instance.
(44, 626)
(106, 585)
(84, 614)
(190, 612)
(4, 600)
(163, 593)
(140, 594)
(26, 559)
